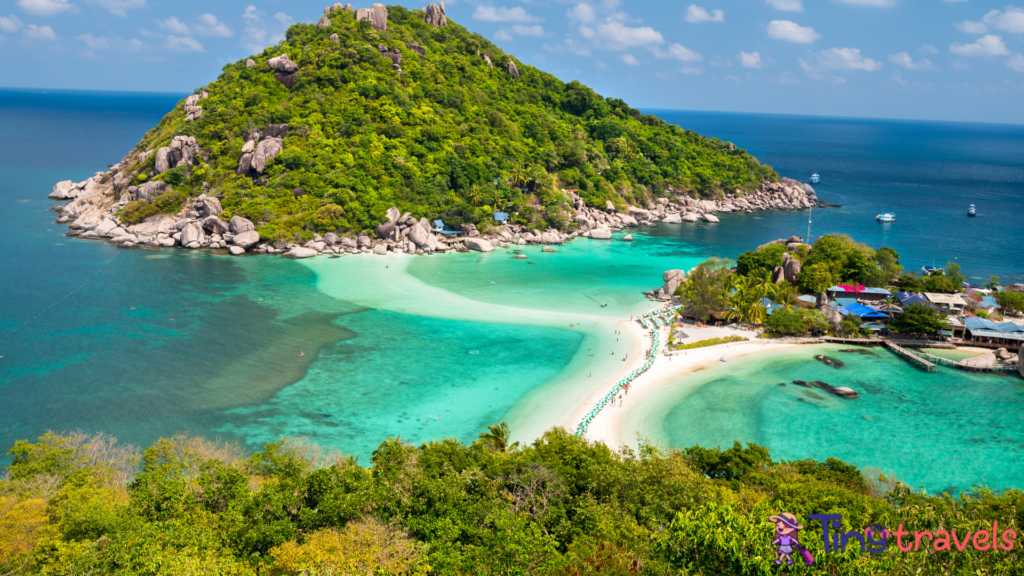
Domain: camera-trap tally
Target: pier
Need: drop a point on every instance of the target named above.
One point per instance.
(910, 357)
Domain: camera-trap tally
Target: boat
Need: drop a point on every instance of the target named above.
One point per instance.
(815, 178)
(971, 211)
(887, 217)
(929, 270)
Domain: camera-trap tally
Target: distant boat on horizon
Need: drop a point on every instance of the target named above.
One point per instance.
(815, 178)
(971, 211)
(886, 218)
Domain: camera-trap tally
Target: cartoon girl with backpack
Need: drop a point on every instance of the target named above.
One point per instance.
(786, 531)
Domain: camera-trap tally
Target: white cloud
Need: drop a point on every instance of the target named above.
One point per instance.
(750, 60)
(94, 43)
(174, 25)
(629, 59)
(929, 49)
(258, 33)
(786, 5)
(985, 46)
(1012, 20)
(904, 59)
(10, 23)
(1017, 62)
(871, 3)
(535, 30)
(182, 44)
(503, 36)
(695, 15)
(501, 14)
(971, 27)
(618, 36)
(691, 70)
(40, 32)
(679, 52)
(118, 7)
(792, 32)
(842, 59)
(600, 65)
(583, 13)
(208, 25)
(45, 7)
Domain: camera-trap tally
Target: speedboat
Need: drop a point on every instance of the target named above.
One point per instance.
(971, 211)
(887, 217)
(815, 178)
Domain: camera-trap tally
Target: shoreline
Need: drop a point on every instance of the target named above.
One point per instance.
(607, 426)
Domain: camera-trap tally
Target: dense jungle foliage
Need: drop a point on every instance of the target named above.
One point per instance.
(449, 137)
(72, 504)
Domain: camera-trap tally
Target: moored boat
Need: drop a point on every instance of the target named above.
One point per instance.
(815, 178)
(887, 217)
(971, 211)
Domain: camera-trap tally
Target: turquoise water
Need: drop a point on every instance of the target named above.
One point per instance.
(944, 431)
(143, 344)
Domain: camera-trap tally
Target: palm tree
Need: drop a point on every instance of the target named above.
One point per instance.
(518, 176)
(785, 296)
(476, 196)
(889, 303)
(496, 438)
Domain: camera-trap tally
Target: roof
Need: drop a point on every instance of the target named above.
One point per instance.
(976, 325)
(862, 311)
(947, 299)
(1019, 336)
(907, 298)
(872, 326)
(846, 301)
(954, 321)
(989, 301)
(809, 298)
(859, 290)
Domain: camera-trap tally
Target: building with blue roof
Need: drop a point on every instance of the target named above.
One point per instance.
(987, 331)
(865, 294)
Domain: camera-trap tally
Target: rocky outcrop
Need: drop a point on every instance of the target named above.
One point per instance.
(299, 252)
(286, 71)
(377, 15)
(239, 225)
(260, 148)
(207, 206)
(246, 240)
(250, 63)
(63, 190)
(674, 218)
(334, 38)
(324, 22)
(791, 268)
(192, 110)
(672, 279)
(513, 70)
(478, 244)
(487, 59)
(148, 190)
(435, 15)
(834, 317)
(416, 48)
(182, 151)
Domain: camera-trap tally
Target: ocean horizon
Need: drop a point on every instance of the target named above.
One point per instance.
(221, 337)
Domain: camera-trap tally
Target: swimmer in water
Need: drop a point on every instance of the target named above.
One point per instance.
(302, 353)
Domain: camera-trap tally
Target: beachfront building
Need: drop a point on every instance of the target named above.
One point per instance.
(858, 293)
(984, 331)
(953, 302)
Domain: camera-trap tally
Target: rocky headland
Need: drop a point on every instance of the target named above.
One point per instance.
(95, 204)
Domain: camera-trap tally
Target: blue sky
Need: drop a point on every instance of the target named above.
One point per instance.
(923, 59)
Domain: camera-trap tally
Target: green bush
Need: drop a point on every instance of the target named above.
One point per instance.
(710, 342)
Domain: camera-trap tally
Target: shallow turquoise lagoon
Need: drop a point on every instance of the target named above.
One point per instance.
(944, 431)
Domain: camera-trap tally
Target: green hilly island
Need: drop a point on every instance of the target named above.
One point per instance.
(347, 117)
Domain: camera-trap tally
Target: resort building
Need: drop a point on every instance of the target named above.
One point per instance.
(981, 330)
(860, 293)
(950, 301)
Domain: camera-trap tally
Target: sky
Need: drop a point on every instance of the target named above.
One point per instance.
(956, 60)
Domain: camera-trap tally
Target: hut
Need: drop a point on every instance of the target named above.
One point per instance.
(859, 293)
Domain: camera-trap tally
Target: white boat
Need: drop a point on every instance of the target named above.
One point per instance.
(971, 211)
(887, 217)
(815, 178)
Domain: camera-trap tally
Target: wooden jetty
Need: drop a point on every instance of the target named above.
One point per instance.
(852, 341)
(910, 357)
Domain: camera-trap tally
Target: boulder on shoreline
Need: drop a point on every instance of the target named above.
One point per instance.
(478, 244)
(298, 252)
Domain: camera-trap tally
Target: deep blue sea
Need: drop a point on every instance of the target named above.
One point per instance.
(143, 343)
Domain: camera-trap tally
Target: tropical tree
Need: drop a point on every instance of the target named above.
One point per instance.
(496, 438)
(785, 296)
(707, 288)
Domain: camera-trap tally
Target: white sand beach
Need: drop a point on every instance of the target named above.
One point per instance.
(607, 427)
